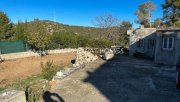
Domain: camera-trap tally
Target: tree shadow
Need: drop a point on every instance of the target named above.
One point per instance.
(52, 97)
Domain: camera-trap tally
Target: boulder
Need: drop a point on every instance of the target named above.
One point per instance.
(60, 74)
(13, 96)
(108, 55)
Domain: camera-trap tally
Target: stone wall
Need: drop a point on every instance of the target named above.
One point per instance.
(13, 96)
(144, 34)
(161, 55)
(164, 56)
(82, 58)
(18, 55)
(12, 56)
(68, 50)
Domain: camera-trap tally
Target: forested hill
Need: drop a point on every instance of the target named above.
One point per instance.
(52, 27)
(47, 34)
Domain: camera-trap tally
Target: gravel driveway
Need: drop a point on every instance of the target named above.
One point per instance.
(122, 79)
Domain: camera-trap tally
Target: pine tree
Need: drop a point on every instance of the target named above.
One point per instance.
(5, 27)
(171, 12)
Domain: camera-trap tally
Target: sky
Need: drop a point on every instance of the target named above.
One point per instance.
(74, 12)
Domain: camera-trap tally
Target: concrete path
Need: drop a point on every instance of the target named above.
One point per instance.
(123, 79)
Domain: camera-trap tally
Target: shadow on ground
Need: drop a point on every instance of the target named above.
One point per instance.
(126, 79)
(52, 97)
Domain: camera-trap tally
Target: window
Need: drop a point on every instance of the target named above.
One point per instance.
(141, 43)
(168, 43)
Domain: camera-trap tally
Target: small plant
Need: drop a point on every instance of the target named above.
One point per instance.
(35, 90)
(49, 70)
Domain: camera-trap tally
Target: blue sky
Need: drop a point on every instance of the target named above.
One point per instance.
(74, 12)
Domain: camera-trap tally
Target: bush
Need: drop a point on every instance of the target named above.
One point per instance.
(123, 41)
(49, 70)
(35, 90)
(99, 43)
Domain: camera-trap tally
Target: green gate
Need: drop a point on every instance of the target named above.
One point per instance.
(12, 47)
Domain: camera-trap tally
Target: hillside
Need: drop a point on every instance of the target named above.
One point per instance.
(59, 35)
(51, 27)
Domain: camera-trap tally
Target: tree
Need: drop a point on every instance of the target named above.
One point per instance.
(108, 25)
(112, 29)
(64, 39)
(171, 12)
(124, 26)
(20, 31)
(99, 43)
(5, 27)
(123, 38)
(39, 42)
(144, 13)
(106, 21)
(38, 39)
(157, 23)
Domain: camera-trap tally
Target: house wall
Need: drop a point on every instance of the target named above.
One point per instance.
(145, 34)
(168, 57)
(160, 55)
(178, 47)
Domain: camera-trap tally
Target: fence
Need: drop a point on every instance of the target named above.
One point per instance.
(12, 47)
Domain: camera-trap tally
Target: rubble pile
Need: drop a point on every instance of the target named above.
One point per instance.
(84, 57)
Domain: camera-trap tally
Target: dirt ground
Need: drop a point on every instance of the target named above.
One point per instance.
(13, 70)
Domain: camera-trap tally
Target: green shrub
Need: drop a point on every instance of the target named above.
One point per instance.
(35, 90)
(49, 70)
(99, 43)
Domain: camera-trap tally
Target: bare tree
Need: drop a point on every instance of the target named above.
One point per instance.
(111, 27)
(106, 21)
(108, 24)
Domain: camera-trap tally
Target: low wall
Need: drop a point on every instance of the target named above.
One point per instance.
(18, 55)
(61, 51)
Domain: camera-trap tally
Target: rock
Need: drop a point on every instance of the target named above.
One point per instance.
(59, 74)
(52, 83)
(108, 55)
(13, 96)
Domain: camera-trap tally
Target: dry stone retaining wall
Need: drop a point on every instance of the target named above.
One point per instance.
(12, 56)
(18, 55)
(68, 50)
(82, 58)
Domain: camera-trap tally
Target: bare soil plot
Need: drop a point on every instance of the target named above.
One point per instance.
(13, 70)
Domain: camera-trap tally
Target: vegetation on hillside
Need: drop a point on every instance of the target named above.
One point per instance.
(43, 34)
